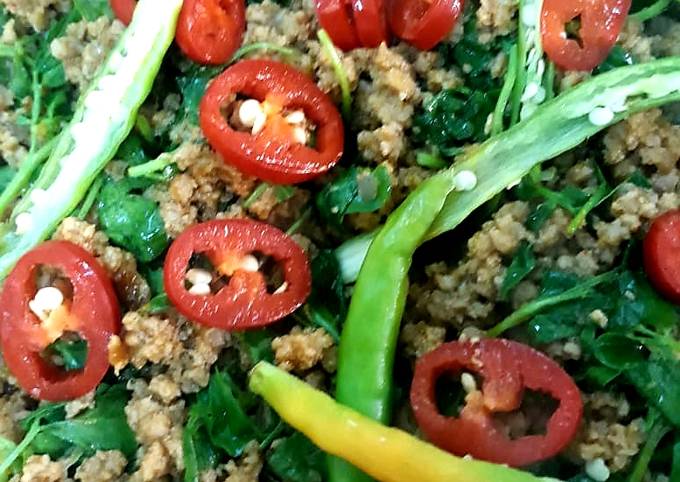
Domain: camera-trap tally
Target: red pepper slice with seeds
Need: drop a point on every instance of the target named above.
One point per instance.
(424, 23)
(598, 24)
(661, 249)
(508, 368)
(273, 153)
(91, 311)
(242, 300)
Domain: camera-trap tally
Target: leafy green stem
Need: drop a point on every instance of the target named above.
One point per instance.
(90, 198)
(650, 12)
(153, 166)
(36, 108)
(656, 432)
(21, 179)
(19, 449)
(267, 47)
(255, 195)
(531, 309)
(549, 80)
(506, 91)
(340, 73)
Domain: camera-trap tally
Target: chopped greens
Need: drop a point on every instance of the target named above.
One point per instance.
(354, 191)
(523, 263)
(296, 459)
(103, 427)
(131, 220)
(72, 353)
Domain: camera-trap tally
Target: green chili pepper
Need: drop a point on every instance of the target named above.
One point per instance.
(104, 117)
(367, 345)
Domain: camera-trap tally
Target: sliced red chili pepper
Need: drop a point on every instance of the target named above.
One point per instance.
(370, 22)
(335, 17)
(93, 313)
(424, 23)
(662, 254)
(243, 302)
(507, 368)
(210, 31)
(123, 9)
(353, 23)
(271, 157)
(599, 23)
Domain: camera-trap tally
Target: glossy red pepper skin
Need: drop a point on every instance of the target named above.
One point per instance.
(268, 157)
(661, 251)
(335, 17)
(353, 23)
(424, 23)
(94, 308)
(508, 368)
(601, 22)
(123, 9)
(243, 303)
(210, 31)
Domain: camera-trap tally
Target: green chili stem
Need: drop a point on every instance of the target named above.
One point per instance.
(431, 160)
(657, 432)
(266, 46)
(654, 10)
(255, 195)
(340, 74)
(21, 179)
(506, 91)
(155, 165)
(531, 309)
(19, 449)
(89, 200)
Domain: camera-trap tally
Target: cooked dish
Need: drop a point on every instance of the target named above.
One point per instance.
(330, 240)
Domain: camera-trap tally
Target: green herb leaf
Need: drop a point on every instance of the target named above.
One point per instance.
(296, 459)
(523, 263)
(103, 427)
(618, 352)
(453, 117)
(618, 57)
(73, 353)
(354, 191)
(199, 454)
(132, 221)
(539, 216)
(192, 86)
(93, 9)
(658, 380)
(258, 343)
(219, 410)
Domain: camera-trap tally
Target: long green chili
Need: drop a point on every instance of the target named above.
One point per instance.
(104, 117)
(367, 346)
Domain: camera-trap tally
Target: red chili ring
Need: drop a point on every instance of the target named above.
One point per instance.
(601, 22)
(258, 154)
(507, 368)
(662, 254)
(243, 303)
(94, 305)
(424, 23)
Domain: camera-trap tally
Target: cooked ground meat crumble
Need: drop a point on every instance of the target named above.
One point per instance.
(165, 359)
